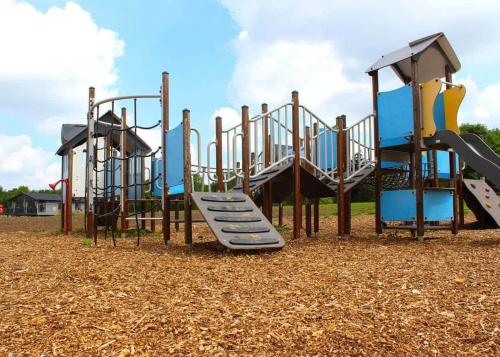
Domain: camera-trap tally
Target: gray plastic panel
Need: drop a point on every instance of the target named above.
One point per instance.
(229, 234)
(486, 197)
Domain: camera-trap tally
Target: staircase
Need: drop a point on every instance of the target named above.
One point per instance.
(236, 221)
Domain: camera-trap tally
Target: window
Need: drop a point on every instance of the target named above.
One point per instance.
(41, 207)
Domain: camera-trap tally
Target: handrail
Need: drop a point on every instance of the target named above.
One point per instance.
(124, 97)
(234, 154)
(196, 131)
(273, 165)
(209, 167)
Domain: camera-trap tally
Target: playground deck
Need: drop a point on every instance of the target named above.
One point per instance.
(352, 296)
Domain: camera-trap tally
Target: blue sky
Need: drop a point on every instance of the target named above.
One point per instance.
(221, 55)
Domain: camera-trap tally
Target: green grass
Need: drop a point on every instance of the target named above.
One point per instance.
(357, 209)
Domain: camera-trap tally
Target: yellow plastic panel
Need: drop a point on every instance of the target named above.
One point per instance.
(430, 91)
(452, 99)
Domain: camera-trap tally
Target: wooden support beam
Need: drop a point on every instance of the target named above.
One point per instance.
(69, 187)
(453, 169)
(378, 153)
(297, 204)
(417, 149)
(176, 216)
(188, 224)
(308, 220)
(124, 171)
(164, 129)
(89, 209)
(280, 214)
(245, 161)
(316, 200)
(340, 174)
(267, 204)
(143, 192)
(218, 154)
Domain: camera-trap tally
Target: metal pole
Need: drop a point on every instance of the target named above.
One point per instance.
(124, 171)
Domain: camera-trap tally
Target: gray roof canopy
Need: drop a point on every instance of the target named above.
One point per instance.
(42, 197)
(432, 53)
(73, 135)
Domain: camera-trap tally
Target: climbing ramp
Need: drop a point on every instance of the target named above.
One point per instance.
(236, 221)
(483, 201)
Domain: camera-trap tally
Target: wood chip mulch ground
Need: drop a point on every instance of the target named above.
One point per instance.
(361, 295)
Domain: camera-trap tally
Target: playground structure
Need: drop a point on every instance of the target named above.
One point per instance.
(411, 145)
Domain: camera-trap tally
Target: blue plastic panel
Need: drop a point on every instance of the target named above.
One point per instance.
(395, 116)
(443, 159)
(327, 139)
(438, 205)
(175, 164)
(439, 112)
(400, 205)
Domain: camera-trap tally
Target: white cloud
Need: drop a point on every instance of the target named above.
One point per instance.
(23, 164)
(49, 60)
(480, 105)
(230, 117)
(323, 47)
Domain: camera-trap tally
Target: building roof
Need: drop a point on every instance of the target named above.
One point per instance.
(45, 197)
(432, 53)
(73, 135)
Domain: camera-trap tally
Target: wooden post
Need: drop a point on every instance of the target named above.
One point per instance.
(378, 153)
(316, 200)
(246, 150)
(308, 220)
(143, 192)
(176, 215)
(164, 129)
(69, 187)
(297, 204)
(124, 171)
(267, 204)
(63, 206)
(340, 173)
(417, 145)
(308, 202)
(153, 182)
(280, 214)
(453, 169)
(89, 209)
(188, 224)
(460, 194)
(453, 184)
(218, 154)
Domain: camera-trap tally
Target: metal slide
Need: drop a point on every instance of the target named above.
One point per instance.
(236, 221)
(473, 155)
(481, 147)
(483, 201)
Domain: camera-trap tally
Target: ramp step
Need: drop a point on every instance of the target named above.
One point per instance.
(253, 241)
(230, 208)
(237, 225)
(237, 219)
(245, 229)
(223, 199)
